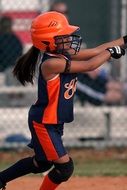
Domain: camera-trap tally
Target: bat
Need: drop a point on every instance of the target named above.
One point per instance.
(124, 46)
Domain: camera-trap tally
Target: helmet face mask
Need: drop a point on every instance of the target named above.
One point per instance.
(66, 42)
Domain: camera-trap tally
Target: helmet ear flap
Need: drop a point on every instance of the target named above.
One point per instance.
(47, 45)
(39, 44)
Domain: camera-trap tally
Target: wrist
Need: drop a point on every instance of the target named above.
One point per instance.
(109, 50)
(125, 39)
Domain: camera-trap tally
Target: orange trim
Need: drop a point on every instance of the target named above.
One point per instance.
(45, 141)
(50, 113)
(48, 184)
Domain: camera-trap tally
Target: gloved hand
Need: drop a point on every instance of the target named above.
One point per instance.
(116, 51)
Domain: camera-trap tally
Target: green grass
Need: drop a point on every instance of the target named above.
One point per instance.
(87, 163)
(109, 167)
(4, 165)
(93, 168)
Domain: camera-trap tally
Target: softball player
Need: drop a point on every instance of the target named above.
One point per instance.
(62, 60)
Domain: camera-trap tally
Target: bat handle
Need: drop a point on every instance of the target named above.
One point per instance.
(124, 46)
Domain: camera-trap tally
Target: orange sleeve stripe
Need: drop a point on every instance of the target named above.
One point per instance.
(45, 141)
(50, 113)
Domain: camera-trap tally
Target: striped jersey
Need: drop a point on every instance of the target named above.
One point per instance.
(55, 98)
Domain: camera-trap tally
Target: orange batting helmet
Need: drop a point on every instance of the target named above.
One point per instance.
(47, 26)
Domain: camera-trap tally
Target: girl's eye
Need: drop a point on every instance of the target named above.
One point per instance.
(69, 39)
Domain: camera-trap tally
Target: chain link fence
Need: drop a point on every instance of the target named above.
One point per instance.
(93, 127)
(100, 107)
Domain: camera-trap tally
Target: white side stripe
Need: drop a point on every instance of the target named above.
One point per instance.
(90, 92)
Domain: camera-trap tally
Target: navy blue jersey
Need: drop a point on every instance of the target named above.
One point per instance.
(55, 98)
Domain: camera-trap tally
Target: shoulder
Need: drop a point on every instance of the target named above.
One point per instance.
(53, 66)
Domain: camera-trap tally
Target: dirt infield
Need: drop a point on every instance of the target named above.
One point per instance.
(75, 183)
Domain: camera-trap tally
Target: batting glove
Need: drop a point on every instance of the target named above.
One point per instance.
(116, 51)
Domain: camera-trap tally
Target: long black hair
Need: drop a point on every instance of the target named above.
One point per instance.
(25, 67)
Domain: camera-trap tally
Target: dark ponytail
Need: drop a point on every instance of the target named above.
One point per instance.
(25, 67)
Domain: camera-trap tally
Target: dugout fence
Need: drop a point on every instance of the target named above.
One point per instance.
(93, 127)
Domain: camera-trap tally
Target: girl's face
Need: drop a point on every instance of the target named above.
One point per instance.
(64, 42)
(70, 44)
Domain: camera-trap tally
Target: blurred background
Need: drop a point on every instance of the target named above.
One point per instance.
(101, 97)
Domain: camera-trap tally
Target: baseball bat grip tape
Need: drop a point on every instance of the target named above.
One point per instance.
(124, 46)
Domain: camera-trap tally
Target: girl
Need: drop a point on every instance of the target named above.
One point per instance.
(62, 60)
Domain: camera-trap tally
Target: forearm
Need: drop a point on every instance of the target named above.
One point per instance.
(91, 64)
(97, 61)
(86, 54)
(115, 52)
(118, 42)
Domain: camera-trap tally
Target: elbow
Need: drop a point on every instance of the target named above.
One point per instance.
(90, 68)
